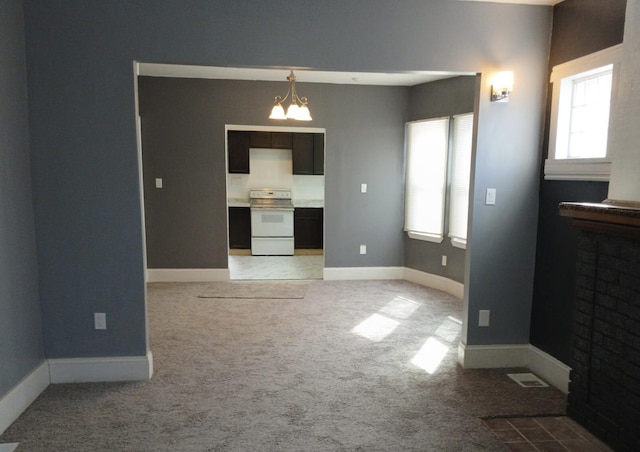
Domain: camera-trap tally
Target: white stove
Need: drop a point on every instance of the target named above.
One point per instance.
(271, 222)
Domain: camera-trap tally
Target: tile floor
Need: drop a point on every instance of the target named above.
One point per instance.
(276, 267)
(544, 434)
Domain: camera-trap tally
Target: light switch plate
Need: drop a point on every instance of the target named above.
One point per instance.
(363, 249)
(484, 317)
(363, 188)
(490, 199)
(158, 182)
(100, 320)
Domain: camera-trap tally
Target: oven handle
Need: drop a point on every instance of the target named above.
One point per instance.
(286, 209)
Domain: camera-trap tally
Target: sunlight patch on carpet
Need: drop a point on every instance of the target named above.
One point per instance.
(8, 447)
(376, 327)
(400, 308)
(430, 355)
(449, 329)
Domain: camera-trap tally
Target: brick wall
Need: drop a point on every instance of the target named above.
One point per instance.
(604, 392)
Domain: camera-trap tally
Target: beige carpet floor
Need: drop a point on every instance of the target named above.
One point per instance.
(353, 366)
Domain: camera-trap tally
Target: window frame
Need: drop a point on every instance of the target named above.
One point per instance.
(585, 169)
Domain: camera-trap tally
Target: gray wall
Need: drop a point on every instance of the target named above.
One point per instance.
(183, 128)
(432, 100)
(21, 345)
(85, 164)
(580, 27)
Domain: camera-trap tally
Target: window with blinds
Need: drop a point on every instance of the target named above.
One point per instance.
(460, 176)
(438, 167)
(426, 176)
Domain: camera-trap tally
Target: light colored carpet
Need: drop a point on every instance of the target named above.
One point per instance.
(317, 374)
(266, 290)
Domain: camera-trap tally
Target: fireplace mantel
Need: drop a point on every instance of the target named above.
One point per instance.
(608, 217)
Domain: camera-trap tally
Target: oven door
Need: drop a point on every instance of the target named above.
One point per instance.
(271, 222)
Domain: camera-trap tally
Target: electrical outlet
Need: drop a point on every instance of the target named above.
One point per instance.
(100, 320)
(483, 317)
(158, 182)
(363, 249)
(444, 260)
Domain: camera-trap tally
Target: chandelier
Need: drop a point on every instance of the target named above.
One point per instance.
(298, 109)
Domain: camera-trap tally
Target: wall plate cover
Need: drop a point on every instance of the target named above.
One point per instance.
(490, 199)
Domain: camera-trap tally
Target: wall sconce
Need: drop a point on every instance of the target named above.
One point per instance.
(501, 86)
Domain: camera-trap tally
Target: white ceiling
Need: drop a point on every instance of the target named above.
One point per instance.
(302, 75)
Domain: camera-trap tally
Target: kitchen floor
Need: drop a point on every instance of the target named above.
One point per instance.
(276, 267)
(544, 434)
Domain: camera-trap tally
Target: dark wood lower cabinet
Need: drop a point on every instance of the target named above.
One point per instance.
(308, 228)
(240, 228)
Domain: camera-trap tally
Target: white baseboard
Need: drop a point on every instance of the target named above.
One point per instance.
(13, 404)
(551, 370)
(187, 274)
(492, 356)
(540, 363)
(435, 282)
(352, 273)
(91, 370)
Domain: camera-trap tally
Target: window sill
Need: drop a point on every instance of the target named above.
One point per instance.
(425, 237)
(457, 243)
(577, 169)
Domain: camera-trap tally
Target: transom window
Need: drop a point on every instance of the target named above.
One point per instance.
(586, 133)
(583, 92)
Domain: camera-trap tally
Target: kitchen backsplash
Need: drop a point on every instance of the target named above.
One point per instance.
(272, 168)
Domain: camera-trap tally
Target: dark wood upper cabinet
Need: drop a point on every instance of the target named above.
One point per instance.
(307, 149)
(238, 143)
(302, 153)
(281, 140)
(260, 140)
(318, 153)
(308, 153)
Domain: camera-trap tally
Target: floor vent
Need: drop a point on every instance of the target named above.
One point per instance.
(528, 380)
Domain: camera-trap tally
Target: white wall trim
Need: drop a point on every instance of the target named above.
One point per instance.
(187, 274)
(13, 404)
(91, 370)
(492, 356)
(542, 364)
(351, 273)
(437, 282)
(551, 370)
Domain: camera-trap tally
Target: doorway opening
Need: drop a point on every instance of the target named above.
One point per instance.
(275, 202)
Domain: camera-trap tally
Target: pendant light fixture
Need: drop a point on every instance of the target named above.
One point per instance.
(298, 109)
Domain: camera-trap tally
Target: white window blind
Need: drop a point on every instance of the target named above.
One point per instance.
(427, 146)
(460, 175)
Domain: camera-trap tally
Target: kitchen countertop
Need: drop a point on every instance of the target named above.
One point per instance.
(243, 202)
(317, 203)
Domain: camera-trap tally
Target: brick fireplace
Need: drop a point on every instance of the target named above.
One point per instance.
(604, 392)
